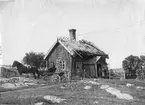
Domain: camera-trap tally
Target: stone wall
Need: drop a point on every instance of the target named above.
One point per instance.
(8, 72)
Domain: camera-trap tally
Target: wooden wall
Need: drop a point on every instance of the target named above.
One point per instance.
(76, 67)
(84, 63)
(90, 68)
(60, 54)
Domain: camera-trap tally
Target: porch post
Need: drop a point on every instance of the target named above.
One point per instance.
(97, 58)
(46, 65)
(96, 71)
(71, 68)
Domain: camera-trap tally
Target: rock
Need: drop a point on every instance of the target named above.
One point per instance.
(117, 92)
(19, 84)
(62, 87)
(8, 85)
(139, 87)
(8, 72)
(112, 90)
(91, 82)
(95, 79)
(43, 84)
(30, 84)
(128, 84)
(96, 102)
(87, 87)
(104, 86)
(3, 79)
(94, 83)
(15, 82)
(53, 99)
(39, 103)
(124, 96)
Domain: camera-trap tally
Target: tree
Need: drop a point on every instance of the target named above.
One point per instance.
(130, 65)
(141, 70)
(33, 59)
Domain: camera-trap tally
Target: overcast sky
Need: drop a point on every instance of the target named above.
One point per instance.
(115, 26)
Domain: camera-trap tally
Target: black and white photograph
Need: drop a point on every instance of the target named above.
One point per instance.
(72, 52)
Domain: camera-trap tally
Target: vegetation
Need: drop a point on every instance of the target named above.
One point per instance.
(75, 94)
(141, 69)
(116, 75)
(134, 67)
(33, 59)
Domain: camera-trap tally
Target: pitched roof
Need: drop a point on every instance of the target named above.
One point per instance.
(81, 47)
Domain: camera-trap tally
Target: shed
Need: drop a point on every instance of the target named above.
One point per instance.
(77, 58)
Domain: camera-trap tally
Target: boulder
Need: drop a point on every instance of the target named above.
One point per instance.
(39, 103)
(139, 87)
(87, 87)
(128, 84)
(53, 99)
(117, 92)
(9, 86)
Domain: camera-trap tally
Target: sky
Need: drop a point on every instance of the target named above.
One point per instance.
(115, 26)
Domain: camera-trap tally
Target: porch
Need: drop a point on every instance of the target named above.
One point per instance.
(89, 67)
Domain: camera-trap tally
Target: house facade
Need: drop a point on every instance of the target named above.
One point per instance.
(77, 58)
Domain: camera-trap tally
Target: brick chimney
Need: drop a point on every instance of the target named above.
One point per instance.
(72, 33)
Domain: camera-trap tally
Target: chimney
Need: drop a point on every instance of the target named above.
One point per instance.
(72, 33)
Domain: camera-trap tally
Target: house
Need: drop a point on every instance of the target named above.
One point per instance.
(77, 58)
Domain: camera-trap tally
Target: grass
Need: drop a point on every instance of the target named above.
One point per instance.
(39, 84)
(75, 94)
(4, 89)
(124, 82)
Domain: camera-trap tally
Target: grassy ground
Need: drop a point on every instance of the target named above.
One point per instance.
(39, 82)
(75, 94)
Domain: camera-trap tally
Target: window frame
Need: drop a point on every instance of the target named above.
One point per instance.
(62, 65)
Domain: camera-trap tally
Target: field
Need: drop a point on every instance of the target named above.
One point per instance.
(84, 92)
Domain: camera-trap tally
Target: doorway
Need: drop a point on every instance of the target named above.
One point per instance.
(79, 71)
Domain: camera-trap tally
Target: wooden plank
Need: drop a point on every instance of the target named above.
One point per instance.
(96, 72)
(90, 70)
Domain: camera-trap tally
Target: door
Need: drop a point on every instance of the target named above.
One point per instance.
(79, 68)
(89, 70)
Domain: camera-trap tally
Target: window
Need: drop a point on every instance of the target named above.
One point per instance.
(62, 65)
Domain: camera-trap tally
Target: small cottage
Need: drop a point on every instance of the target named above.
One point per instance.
(77, 58)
